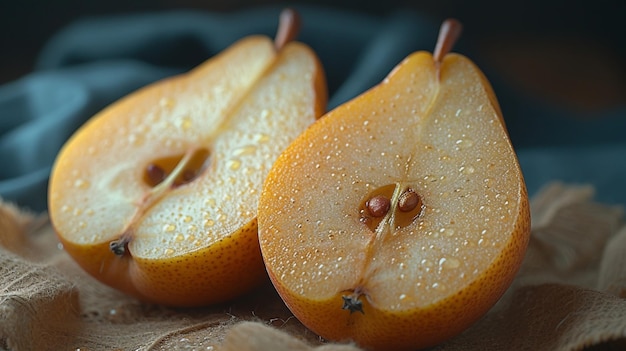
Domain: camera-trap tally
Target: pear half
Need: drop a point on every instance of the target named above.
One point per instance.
(399, 218)
(157, 194)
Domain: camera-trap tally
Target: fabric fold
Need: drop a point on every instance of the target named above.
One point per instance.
(568, 294)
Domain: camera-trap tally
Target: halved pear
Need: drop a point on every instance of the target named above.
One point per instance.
(157, 195)
(401, 217)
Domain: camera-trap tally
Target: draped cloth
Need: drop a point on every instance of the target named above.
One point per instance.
(568, 295)
(94, 61)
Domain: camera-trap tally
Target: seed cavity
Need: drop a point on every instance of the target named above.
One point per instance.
(160, 169)
(389, 203)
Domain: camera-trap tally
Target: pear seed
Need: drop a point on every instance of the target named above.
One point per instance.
(155, 173)
(408, 200)
(378, 206)
(188, 175)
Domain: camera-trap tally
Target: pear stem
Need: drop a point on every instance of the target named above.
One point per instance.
(288, 28)
(449, 33)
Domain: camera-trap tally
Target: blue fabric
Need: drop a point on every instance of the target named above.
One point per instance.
(93, 62)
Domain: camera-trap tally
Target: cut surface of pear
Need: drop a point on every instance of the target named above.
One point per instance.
(444, 245)
(217, 131)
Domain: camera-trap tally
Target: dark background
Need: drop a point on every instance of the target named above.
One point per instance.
(557, 67)
(565, 51)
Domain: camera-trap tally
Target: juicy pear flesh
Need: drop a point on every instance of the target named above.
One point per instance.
(234, 114)
(423, 276)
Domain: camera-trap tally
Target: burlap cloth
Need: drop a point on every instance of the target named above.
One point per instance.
(569, 295)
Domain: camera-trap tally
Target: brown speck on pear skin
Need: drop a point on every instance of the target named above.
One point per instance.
(378, 206)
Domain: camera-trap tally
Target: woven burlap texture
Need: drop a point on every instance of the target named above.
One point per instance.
(568, 295)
